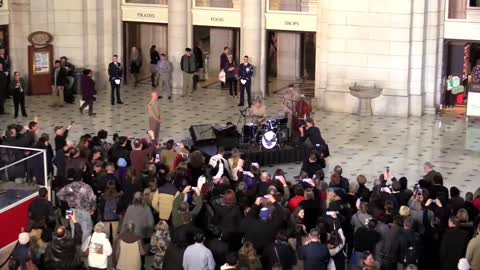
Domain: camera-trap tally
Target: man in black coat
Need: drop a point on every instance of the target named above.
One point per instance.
(40, 211)
(3, 89)
(312, 138)
(62, 253)
(217, 246)
(260, 226)
(454, 245)
(279, 252)
(59, 80)
(115, 78)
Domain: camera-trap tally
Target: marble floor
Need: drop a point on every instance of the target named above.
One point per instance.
(361, 145)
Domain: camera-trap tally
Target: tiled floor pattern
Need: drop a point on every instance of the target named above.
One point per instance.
(361, 145)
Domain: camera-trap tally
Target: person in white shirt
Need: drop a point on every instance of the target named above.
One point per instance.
(223, 166)
(99, 248)
(197, 256)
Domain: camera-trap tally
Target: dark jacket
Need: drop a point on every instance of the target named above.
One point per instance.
(18, 91)
(365, 239)
(187, 64)
(63, 254)
(245, 72)
(232, 73)
(3, 85)
(8, 156)
(219, 251)
(88, 89)
(261, 232)
(279, 252)
(173, 258)
(154, 57)
(114, 71)
(40, 213)
(226, 217)
(61, 141)
(312, 167)
(61, 77)
(118, 151)
(453, 247)
(223, 62)
(316, 256)
(198, 56)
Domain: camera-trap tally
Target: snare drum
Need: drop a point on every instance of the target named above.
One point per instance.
(250, 132)
(270, 124)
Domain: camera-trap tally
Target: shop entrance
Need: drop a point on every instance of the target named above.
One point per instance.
(143, 36)
(290, 60)
(209, 42)
(460, 74)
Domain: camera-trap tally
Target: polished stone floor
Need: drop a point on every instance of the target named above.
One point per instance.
(361, 145)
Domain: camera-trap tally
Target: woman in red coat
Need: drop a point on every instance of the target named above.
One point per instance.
(88, 91)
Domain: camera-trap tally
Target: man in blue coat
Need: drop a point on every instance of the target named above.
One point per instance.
(245, 72)
(315, 254)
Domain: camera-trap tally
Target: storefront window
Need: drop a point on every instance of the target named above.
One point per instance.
(151, 2)
(292, 5)
(218, 3)
(474, 3)
(457, 9)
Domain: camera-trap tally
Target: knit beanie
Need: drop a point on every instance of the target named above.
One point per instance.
(264, 213)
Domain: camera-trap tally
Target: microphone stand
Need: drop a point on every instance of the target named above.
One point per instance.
(242, 114)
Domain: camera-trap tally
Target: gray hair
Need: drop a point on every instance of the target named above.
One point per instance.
(411, 267)
(99, 227)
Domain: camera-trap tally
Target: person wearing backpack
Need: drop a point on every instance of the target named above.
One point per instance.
(409, 251)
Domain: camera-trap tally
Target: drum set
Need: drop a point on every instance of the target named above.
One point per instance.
(267, 133)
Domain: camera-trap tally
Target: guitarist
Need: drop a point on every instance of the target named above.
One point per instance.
(312, 138)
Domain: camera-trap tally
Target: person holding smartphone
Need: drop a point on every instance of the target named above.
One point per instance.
(17, 88)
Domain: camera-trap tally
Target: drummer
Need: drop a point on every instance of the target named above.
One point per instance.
(258, 112)
(289, 101)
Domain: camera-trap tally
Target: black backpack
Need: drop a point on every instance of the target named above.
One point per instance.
(412, 253)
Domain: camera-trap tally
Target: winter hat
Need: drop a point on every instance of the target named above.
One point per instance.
(23, 238)
(122, 162)
(270, 188)
(463, 264)
(404, 211)
(264, 213)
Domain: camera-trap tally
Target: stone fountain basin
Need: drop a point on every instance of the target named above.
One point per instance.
(365, 92)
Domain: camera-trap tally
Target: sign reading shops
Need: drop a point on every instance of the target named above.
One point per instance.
(289, 23)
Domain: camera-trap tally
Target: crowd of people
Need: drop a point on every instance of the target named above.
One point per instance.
(120, 200)
(128, 198)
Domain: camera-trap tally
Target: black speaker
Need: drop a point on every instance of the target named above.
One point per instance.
(202, 134)
(227, 136)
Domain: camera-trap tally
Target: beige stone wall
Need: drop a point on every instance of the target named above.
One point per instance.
(382, 43)
(88, 32)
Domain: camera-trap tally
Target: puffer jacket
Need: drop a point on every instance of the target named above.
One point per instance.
(64, 253)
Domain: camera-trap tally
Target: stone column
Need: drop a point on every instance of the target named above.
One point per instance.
(288, 48)
(416, 70)
(251, 30)
(177, 39)
(321, 55)
(432, 39)
(19, 30)
(90, 42)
